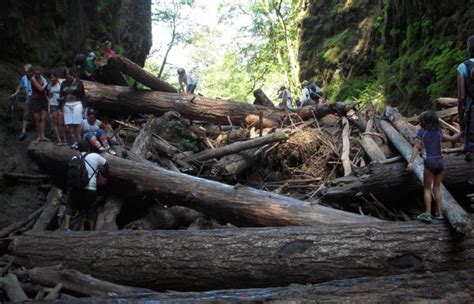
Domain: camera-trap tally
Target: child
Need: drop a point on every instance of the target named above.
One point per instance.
(429, 138)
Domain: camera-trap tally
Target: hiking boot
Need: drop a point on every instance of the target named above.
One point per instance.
(439, 217)
(424, 217)
(21, 136)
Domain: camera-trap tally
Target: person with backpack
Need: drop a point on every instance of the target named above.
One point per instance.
(82, 184)
(71, 96)
(465, 83)
(428, 139)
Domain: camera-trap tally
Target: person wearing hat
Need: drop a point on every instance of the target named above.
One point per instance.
(93, 131)
(186, 81)
(286, 98)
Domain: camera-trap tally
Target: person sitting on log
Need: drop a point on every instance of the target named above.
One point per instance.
(286, 98)
(94, 131)
(85, 199)
(71, 94)
(465, 81)
(187, 82)
(108, 52)
(429, 139)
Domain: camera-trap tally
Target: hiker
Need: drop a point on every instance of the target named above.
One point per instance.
(25, 84)
(186, 82)
(81, 197)
(56, 110)
(80, 62)
(429, 139)
(305, 98)
(94, 131)
(286, 99)
(90, 62)
(71, 95)
(465, 80)
(108, 52)
(39, 103)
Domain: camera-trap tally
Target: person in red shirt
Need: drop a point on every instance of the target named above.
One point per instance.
(108, 52)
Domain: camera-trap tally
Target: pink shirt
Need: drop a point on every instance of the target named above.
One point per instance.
(109, 53)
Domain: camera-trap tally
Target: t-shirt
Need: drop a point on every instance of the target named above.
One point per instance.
(25, 84)
(54, 90)
(91, 128)
(90, 64)
(305, 95)
(73, 92)
(189, 80)
(431, 140)
(462, 69)
(109, 53)
(93, 162)
(287, 99)
(35, 93)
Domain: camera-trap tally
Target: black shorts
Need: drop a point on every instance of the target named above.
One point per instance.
(38, 105)
(434, 165)
(83, 201)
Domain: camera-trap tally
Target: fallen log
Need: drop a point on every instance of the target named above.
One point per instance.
(443, 287)
(108, 74)
(12, 288)
(371, 149)
(406, 129)
(455, 214)
(391, 183)
(78, 283)
(447, 102)
(117, 99)
(346, 147)
(107, 218)
(144, 141)
(132, 69)
(249, 257)
(238, 204)
(239, 146)
(262, 99)
(17, 176)
(12, 227)
(443, 114)
(51, 209)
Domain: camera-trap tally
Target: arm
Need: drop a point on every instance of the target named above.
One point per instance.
(461, 98)
(452, 138)
(414, 154)
(37, 85)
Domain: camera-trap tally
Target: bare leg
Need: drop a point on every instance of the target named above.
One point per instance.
(103, 140)
(92, 223)
(55, 115)
(437, 192)
(67, 219)
(44, 117)
(61, 127)
(77, 132)
(37, 120)
(71, 132)
(427, 181)
(25, 124)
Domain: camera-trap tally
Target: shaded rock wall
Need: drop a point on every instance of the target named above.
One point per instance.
(51, 32)
(407, 50)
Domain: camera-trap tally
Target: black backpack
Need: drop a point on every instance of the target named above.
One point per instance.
(77, 176)
(470, 78)
(313, 91)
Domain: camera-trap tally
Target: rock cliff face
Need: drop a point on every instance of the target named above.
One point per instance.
(51, 32)
(406, 50)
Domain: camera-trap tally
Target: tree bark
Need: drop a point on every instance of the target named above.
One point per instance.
(107, 218)
(12, 288)
(441, 287)
(401, 124)
(447, 102)
(371, 149)
(391, 183)
(51, 209)
(346, 147)
(455, 214)
(117, 99)
(239, 146)
(132, 69)
(109, 74)
(238, 204)
(262, 99)
(252, 257)
(158, 217)
(144, 141)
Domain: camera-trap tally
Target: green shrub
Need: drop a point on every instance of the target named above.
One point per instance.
(176, 125)
(189, 145)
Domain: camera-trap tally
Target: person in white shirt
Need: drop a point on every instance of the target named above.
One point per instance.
(86, 199)
(286, 98)
(305, 96)
(94, 131)
(186, 81)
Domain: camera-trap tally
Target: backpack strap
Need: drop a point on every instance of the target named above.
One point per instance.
(87, 163)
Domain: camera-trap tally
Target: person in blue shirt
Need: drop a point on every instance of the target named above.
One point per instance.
(465, 81)
(25, 85)
(428, 140)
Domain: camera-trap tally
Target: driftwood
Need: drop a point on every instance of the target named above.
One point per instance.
(54, 294)
(447, 102)
(455, 214)
(346, 147)
(51, 209)
(249, 257)
(262, 99)
(12, 227)
(132, 69)
(12, 288)
(238, 204)
(107, 218)
(126, 100)
(371, 149)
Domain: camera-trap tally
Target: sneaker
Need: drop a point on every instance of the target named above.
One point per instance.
(112, 152)
(21, 136)
(74, 146)
(439, 217)
(424, 217)
(102, 149)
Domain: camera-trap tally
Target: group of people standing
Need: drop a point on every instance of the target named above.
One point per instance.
(310, 94)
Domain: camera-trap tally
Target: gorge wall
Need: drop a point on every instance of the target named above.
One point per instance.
(404, 51)
(52, 32)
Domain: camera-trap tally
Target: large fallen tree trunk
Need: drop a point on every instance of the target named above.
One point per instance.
(132, 69)
(443, 287)
(249, 257)
(131, 101)
(455, 214)
(238, 204)
(262, 99)
(391, 183)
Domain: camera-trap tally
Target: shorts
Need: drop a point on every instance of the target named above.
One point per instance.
(53, 109)
(191, 88)
(99, 133)
(38, 105)
(83, 201)
(72, 113)
(434, 165)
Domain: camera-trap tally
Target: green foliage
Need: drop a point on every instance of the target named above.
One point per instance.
(189, 145)
(102, 6)
(176, 125)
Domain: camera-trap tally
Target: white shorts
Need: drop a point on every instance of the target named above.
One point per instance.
(72, 113)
